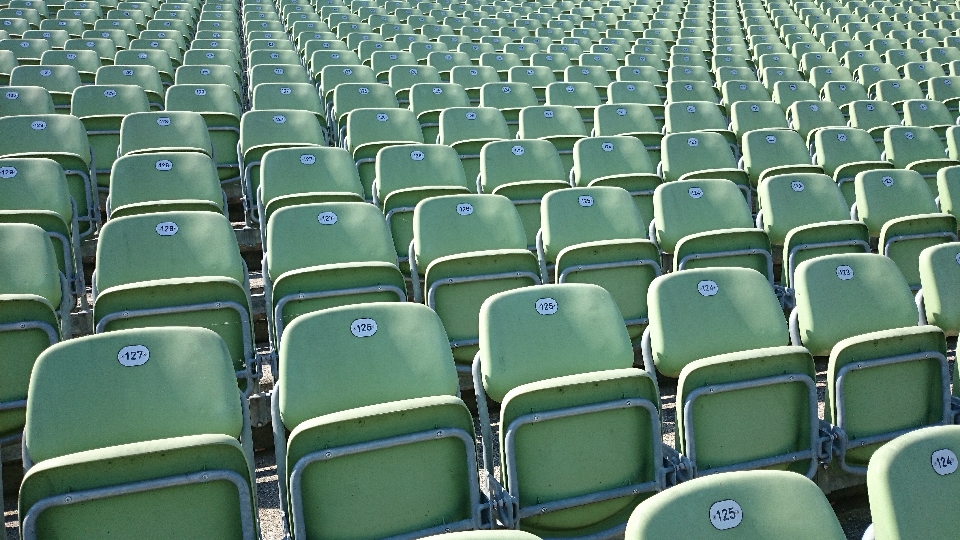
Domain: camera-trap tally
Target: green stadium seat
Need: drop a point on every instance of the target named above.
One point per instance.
(467, 129)
(375, 410)
(369, 130)
(523, 171)
(179, 445)
(898, 208)
(760, 503)
(702, 223)
(510, 98)
(583, 354)
(24, 100)
(467, 248)
(858, 309)
(902, 476)
(427, 100)
(60, 81)
(63, 139)
(844, 152)
(35, 313)
(207, 289)
(162, 182)
(596, 235)
(348, 259)
(806, 214)
(917, 149)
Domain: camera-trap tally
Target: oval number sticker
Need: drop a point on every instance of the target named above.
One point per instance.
(327, 218)
(133, 355)
(708, 287)
(308, 159)
(167, 228)
(585, 200)
(725, 514)
(944, 462)
(363, 327)
(695, 192)
(464, 209)
(164, 165)
(546, 306)
(844, 272)
(10, 172)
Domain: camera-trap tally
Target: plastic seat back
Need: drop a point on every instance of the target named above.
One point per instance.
(759, 503)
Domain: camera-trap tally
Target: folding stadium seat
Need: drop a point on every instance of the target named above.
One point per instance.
(634, 460)
(874, 117)
(928, 113)
(772, 152)
(946, 90)
(164, 181)
(402, 78)
(901, 478)
(101, 108)
(558, 62)
(844, 152)
(104, 47)
(621, 161)
(300, 96)
(409, 173)
(163, 131)
(351, 260)
(582, 95)
(207, 289)
(428, 100)
(367, 461)
(678, 91)
(22, 100)
(306, 175)
(349, 96)
(898, 208)
(806, 215)
(842, 93)
(806, 117)
(870, 74)
(746, 116)
(740, 353)
(145, 76)
(467, 129)
(156, 58)
(204, 74)
(523, 171)
(700, 155)
(261, 131)
(369, 130)
(444, 61)
(221, 114)
(786, 93)
(597, 235)
(917, 149)
(487, 255)
(766, 503)
(473, 78)
(276, 73)
(193, 475)
(899, 57)
(698, 116)
(701, 222)
(63, 139)
(538, 77)
(60, 81)
(897, 91)
(562, 125)
(167, 45)
(878, 340)
(853, 59)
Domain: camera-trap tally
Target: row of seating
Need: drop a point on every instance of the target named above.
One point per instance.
(385, 416)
